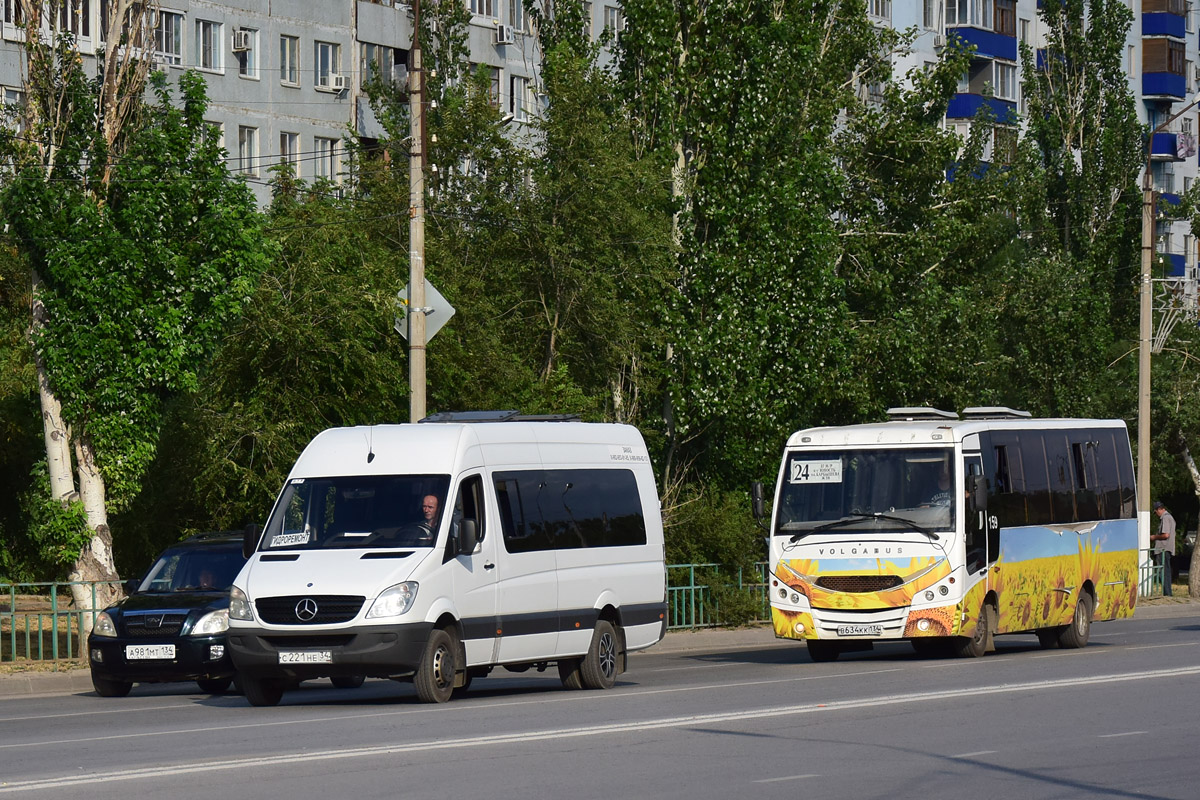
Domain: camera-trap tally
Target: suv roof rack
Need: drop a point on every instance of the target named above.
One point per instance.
(994, 412)
(498, 416)
(920, 413)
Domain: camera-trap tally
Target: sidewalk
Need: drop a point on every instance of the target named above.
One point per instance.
(76, 680)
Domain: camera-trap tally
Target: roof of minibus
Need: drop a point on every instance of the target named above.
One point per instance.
(435, 448)
(931, 432)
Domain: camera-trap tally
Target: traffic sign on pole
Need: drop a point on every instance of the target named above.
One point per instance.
(438, 311)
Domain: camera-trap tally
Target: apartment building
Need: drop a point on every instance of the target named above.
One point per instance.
(1160, 59)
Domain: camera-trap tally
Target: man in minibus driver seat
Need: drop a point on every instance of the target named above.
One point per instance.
(429, 514)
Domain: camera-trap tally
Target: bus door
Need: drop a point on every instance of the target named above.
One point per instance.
(975, 526)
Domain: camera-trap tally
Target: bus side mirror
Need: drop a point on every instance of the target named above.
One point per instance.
(468, 537)
(977, 490)
(756, 500)
(250, 540)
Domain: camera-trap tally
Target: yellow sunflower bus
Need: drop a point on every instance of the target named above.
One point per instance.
(946, 530)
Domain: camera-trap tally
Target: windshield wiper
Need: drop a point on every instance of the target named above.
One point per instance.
(877, 515)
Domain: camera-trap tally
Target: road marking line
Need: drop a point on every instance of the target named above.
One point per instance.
(1127, 733)
(634, 726)
(787, 778)
(976, 753)
(1157, 646)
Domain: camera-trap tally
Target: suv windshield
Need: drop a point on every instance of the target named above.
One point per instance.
(357, 511)
(194, 569)
(868, 489)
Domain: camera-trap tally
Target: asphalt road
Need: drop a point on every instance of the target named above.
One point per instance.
(715, 715)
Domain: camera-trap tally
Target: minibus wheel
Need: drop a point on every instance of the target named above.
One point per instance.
(599, 667)
(434, 679)
(262, 691)
(347, 681)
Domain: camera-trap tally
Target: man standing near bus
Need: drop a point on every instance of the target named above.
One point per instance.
(1164, 543)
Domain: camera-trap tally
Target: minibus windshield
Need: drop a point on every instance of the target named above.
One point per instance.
(894, 489)
(358, 511)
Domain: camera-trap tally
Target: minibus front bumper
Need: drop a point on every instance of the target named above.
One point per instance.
(378, 651)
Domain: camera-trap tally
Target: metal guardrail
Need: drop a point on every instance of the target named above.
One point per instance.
(39, 621)
(692, 603)
(1152, 573)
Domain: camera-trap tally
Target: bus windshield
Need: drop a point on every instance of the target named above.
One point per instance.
(866, 489)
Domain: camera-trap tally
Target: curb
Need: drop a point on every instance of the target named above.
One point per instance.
(78, 681)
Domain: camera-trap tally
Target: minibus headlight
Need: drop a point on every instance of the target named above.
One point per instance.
(394, 601)
(213, 622)
(239, 605)
(104, 625)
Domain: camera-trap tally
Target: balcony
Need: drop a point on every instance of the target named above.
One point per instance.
(1162, 24)
(1173, 146)
(988, 44)
(966, 106)
(1163, 86)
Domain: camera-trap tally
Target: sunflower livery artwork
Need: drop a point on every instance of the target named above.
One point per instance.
(947, 531)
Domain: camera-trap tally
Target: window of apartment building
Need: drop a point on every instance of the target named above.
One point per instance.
(75, 16)
(1176, 57)
(1187, 75)
(976, 13)
(14, 14)
(208, 45)
(516, 15)
(248, 150)
(247, 58)
(379, 59)
(880, 8)
(932, 14)
(14, 102)
(328, 165)
(612, 19)
(483, 8)
(289, 151)
(168, 38)
(215, 132)
(327, 63)
(1006, 81)
(289, 59)
(1023, 27)
(1006, 17)
(1004, 145)
(1129, 59)
(518, 98)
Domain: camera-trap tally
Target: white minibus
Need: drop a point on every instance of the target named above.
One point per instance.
(437, 551)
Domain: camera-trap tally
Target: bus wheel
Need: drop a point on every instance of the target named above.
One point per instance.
(821, 652)
(435, 674)
(1076, 634)
(599, 667)
(976, 645)
(262, 691)
(1048, 637)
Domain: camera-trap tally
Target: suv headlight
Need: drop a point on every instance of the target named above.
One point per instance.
(212, 623)
(239, 605)
(394, 601)
(104, 625)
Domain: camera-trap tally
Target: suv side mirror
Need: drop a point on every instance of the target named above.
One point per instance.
(250, 540)
(131, 585)
(468, 537)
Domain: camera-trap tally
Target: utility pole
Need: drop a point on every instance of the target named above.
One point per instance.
(1146, 332)
(416, 227)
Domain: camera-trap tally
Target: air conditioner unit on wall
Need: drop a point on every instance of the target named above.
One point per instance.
(504, 34)
(337, 82)
(241, 41)
(939, 40)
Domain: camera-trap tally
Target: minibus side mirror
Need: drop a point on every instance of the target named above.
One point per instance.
(250, 540)
(756, 500)
(468, 537)
(977, 491)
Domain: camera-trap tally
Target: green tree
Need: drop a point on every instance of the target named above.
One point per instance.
(139, 246)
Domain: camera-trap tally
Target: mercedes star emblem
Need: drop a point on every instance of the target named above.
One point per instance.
(306, 610)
